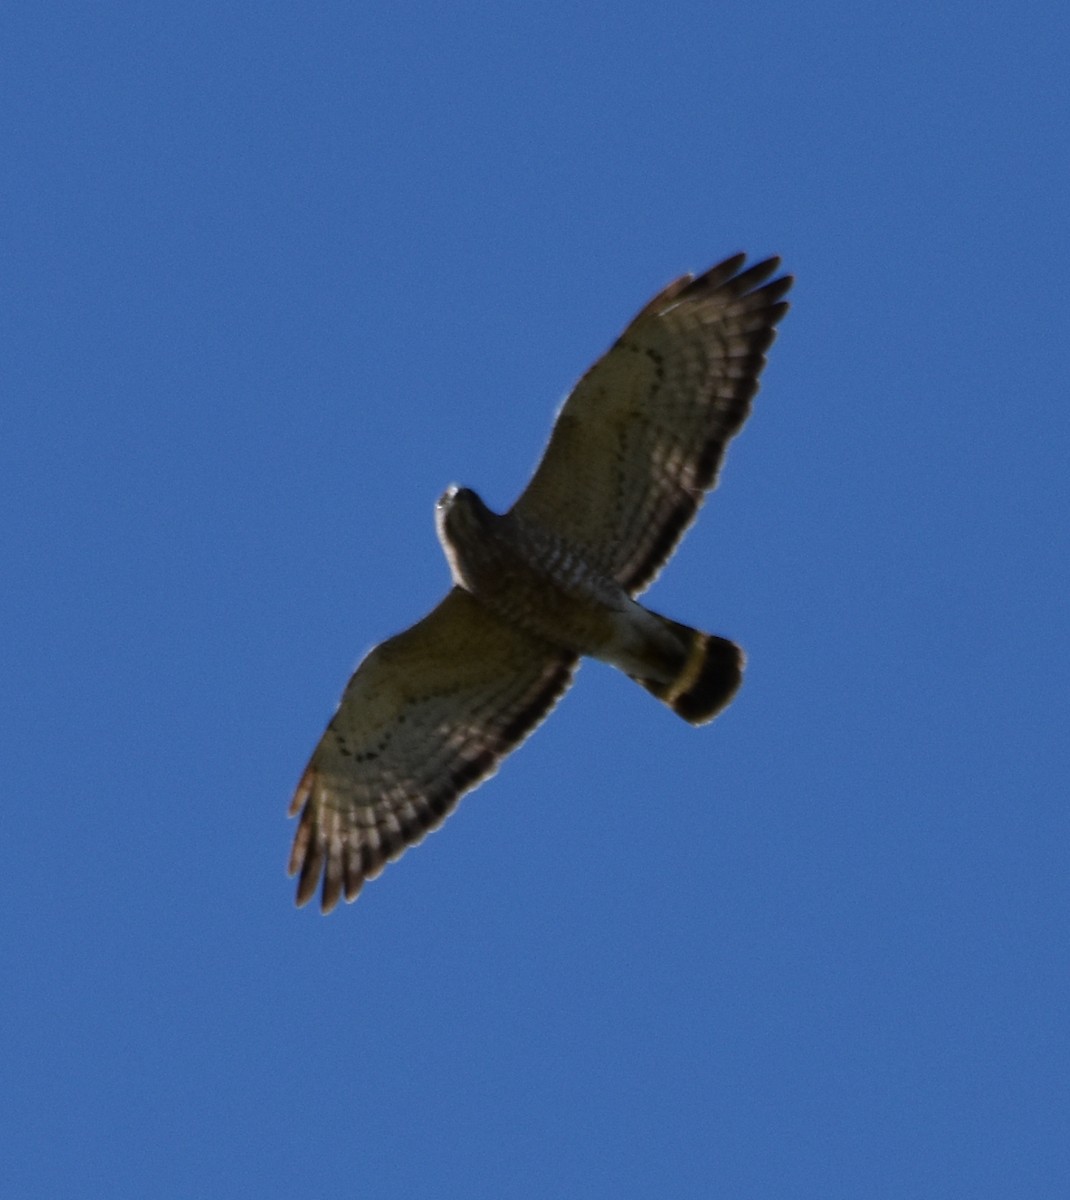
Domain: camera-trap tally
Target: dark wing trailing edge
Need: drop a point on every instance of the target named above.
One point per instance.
(638, 443)
(425, 717)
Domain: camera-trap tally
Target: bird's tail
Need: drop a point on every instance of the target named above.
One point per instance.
(710, 676)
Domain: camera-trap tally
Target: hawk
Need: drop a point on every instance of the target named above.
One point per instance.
(431, 712)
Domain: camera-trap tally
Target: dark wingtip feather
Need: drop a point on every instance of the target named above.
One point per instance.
(309, 878)
(304, 789)
(777, 288)
(716, 277)
(757, 273)
(777, 312)
(750, 290)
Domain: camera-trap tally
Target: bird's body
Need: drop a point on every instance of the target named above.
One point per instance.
(535, 580)
(431, 712)
(527, 575)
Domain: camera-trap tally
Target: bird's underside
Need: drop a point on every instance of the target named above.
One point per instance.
(634, 450)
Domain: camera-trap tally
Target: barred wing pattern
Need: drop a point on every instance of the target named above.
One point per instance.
(425, 717)
(639, 441)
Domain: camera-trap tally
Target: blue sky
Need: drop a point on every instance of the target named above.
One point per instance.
(275, 275)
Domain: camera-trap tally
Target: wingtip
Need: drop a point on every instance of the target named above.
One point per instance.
(733, 275)
(302, 792)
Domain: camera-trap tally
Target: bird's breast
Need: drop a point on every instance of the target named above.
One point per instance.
(537, 580)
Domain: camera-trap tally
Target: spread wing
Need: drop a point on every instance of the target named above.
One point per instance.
(425, 717)
(639, 441)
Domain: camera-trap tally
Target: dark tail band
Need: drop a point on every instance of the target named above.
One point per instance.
(711, 675)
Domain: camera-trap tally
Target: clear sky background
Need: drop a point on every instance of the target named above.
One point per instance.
(274, 275)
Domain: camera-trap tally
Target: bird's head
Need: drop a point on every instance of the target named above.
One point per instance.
(460, 508)
(462, 518)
